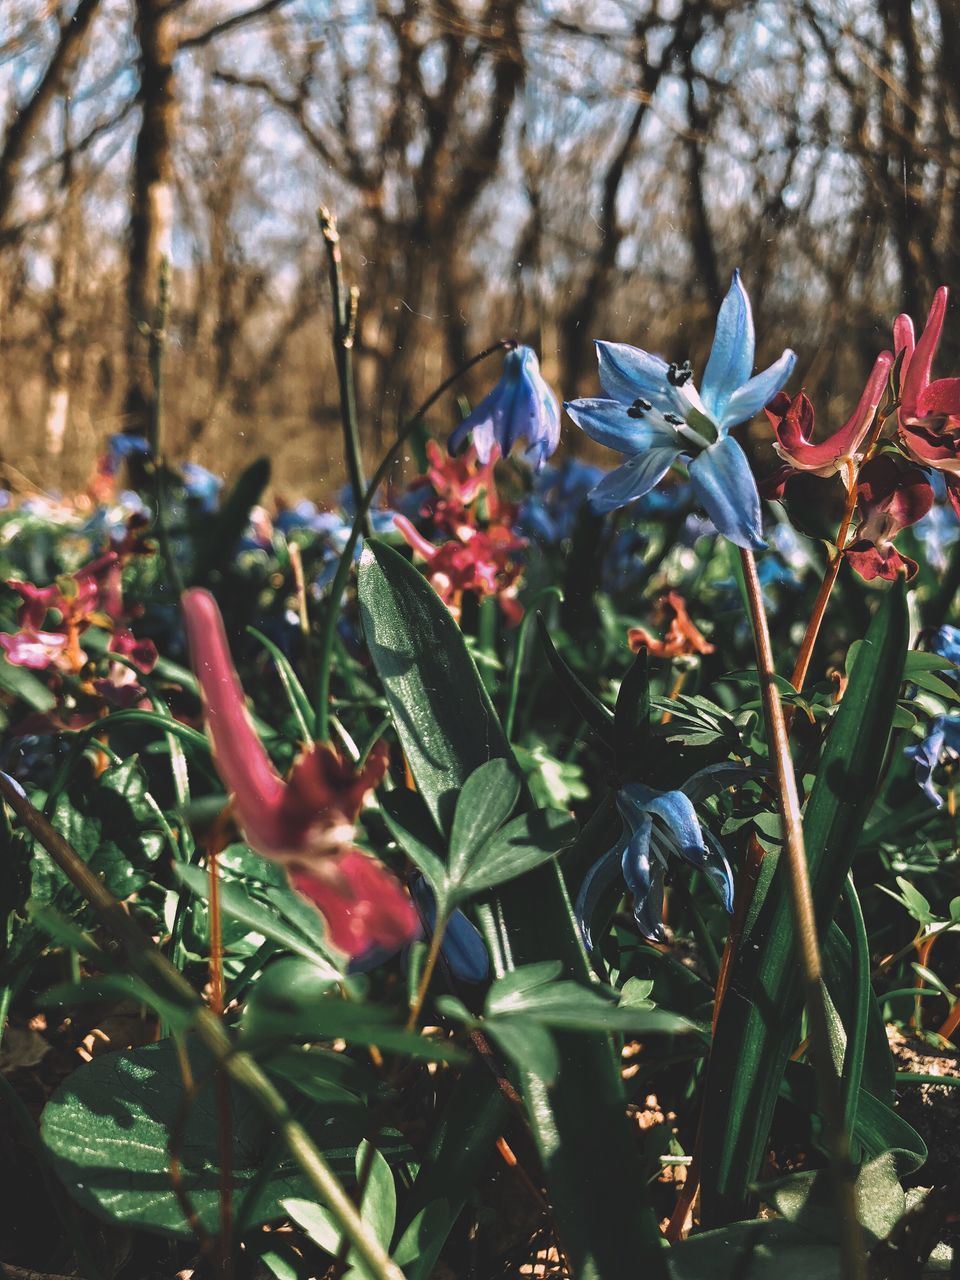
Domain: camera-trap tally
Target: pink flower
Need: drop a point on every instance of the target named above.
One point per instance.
(891, 495)
(308, 822)
(792, 422)
(929, 411)
(35, 649)
(142, 653)
(482, 561)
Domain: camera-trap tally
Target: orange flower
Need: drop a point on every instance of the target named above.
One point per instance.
(682, 637)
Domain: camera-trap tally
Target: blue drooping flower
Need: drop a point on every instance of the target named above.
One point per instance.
(520, 407)
(654, 415)
(658, 826)
(120, 447)
(941, 743)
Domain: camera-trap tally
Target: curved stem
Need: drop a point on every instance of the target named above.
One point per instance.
(329, 627)
(852, 1251)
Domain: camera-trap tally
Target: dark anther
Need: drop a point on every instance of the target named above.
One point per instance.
(639, 408)
(678, 374)
(674, 419)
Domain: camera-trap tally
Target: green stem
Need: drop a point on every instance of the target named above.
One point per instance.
(328, 630)
(529, 614)
(852, 1247)
(433, 955)
(344, 331)
(150, 962)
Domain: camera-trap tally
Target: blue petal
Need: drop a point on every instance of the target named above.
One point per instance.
(481, 422)
(718, 869)
(675, 810)
(463, 948)
(635, 478)
(627, 373)
(731, 356)
(925, 756)
(753, 395)
(945, 641)
(725, 485)
(595, 884)
(645, 881)
(608, 422)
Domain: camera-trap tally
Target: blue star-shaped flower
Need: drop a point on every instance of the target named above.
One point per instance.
(654, 415)
(658, 826)
(520, 406)
(941, 743)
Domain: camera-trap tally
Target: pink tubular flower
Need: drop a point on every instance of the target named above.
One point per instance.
(792, 422)
(34, 649)
(929, 411)
(482, 561)
(891, 494)
(307, 822)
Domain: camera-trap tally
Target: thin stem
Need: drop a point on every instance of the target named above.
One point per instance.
(224, 1118)
(857, 1034)
(826, 586)
(148, 960)
(433, 955)
(344, 331)
(853, 1257)
(328, 630)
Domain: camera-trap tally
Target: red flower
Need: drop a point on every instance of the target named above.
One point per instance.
(891, 494)
(682, 637)
(929, 411)
(792, 422)
(482, 561)
(307, 822)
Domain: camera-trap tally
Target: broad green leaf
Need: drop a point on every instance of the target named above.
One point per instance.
(597, 716)
(529, 1047)
(295, 1000)
(23, 684)
(758, 1023)
(378, 1210)
(107, 1129)
(447, 727)
(523, 844)
(401, 810)
(236, 902)
(486, 801)
(513, 986)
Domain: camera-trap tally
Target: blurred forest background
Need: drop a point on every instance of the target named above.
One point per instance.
(549, 169)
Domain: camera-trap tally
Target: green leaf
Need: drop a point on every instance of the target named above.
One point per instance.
(529, 1047)
(447, 727)
(631, 718)
(488, 798)
(597, 716)
(216, 547)
(378, 1210)
(757, 1030)
(23, 684)
(519, 847)
(107, 1129)
(236, 902)
(296, 694)
(572, 1007)
(295, 1000)
(400, 810)
(507, 993)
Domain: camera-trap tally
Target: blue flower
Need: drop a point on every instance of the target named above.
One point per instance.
(463, 948)
(550, 513)
(941, 743)
(945, 641)
(658, 826)
(202, 486)
(655, 415)
(520, 406)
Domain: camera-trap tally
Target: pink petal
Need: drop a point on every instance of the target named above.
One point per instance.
(34, 649)
(916, 374)
(142, 653)
(362, 903)
(414, 538)
(942, 396)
